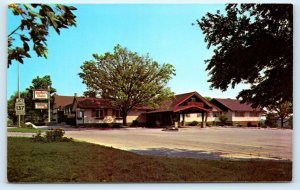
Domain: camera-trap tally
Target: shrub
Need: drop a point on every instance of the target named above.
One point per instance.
(193, 123)
(223, 118)
(135, 123)
(38, 137)
(10, 122)
(52, 135)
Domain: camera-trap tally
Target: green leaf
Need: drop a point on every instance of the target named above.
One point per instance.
(26, 47)
(46, 54)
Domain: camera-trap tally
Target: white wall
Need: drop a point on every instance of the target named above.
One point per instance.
(246, 117)
(133, 115)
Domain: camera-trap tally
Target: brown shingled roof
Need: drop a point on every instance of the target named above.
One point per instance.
(170, 105)
(61, 101)
(94, 103)
(235, 105)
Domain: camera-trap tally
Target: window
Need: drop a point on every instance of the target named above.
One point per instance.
(254, 114)
(240, 114)
(80, 114)
(193, 99)
(100, 113)
(216, 114)
(188, 115)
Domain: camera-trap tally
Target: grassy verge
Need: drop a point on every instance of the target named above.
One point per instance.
(24, 130)
(84, 162)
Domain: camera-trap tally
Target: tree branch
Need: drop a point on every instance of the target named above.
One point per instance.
(14, 31)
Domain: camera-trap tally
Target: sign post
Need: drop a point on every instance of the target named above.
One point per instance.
(20, 108)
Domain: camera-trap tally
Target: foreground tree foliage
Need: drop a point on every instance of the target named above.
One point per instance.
(253, 44)
(36, 20)
(32, 114)
(128, 79)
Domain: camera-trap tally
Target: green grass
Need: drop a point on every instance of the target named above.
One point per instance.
(24, 130)
(84, 162)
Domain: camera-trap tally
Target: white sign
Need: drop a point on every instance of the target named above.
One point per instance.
(40, 94)
(20, 100)
(20, 106)
(41, 105)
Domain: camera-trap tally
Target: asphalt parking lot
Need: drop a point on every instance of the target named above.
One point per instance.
(210, 143)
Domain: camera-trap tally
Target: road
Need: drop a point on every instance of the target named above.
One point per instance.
(209, 143)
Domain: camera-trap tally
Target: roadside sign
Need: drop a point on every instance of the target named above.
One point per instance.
(41, 105)
(20, 100)
(40, 94)
(20, 106)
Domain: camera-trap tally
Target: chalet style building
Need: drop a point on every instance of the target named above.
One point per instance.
(238, 114)
(180, 110)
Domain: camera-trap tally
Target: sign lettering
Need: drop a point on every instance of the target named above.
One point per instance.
(40, 105)
(40, 94)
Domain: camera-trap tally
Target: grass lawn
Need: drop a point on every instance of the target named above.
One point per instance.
(23, 130)
(84, 162)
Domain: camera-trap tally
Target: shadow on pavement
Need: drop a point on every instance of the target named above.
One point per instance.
(184, 153)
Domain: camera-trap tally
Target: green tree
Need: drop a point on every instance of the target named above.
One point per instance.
(31, 113)
(128, 79)
(253, 44)
(36, 20)
(89, 93)
(282, 111)
(207, 98)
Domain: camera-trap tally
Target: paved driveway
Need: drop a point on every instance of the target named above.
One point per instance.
(211, 143)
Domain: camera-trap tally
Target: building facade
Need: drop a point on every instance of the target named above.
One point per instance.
(181, 110)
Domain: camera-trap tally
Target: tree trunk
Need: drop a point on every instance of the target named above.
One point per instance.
(124, 116)
(282, 119)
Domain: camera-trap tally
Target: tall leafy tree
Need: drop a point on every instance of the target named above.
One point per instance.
(253, 44)
(128, 79)
(35, 22)
(31, 113)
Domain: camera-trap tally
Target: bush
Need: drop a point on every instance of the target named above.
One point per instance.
(10, 122)
(135, 123)
(223, 119)
(52, 135)
(38, 137)
(193, 123)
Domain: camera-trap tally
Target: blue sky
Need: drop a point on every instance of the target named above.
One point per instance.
(163, 31)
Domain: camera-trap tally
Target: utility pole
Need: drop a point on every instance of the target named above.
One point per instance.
(49, 94)
(19, 116)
